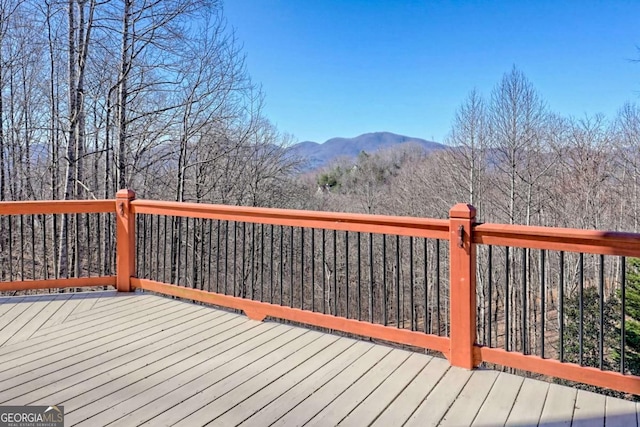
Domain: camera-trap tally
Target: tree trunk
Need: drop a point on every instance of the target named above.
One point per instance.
(123, 94)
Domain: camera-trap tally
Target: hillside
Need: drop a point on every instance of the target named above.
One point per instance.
(318, 155)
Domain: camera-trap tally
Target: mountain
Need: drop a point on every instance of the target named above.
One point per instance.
(318, 155)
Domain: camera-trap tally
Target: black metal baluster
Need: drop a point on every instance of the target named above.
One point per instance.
(235, 258)
(313, 269)
(76, 244)
(346, 271)
(10, 257)
(142, 247)
(139, 243)
(201, 254)
(281, 264)
(99, 260)
(45, 255)
(186, 254)
(507, 311)
(109, 219)
(150, 254)
(359, 278)
(66, 239)
(262, 262)
(427, 319)
(623, 301)
(54, 232)
(398, 283)
(218, 224)
(244, 243)
(179, 242)
(324, 273)
(581, 309)
(194, 244)
(438, 296)
(523, 332)
(165, 249)
(271, 264)
(291, 267)
(178, 251)
(22, 247)
(157, 275)
(226, 257)
(371, 278)
(196, 256)
(384, 279)
(174, 252)
(301, 268)
(490, 281)
(335, 274)
(253, 259)
(411, 276)
(155, 268)
(601, 300)
(89, 251)
(33, 246)
(210, 250)
(561, 305)
(543, 292)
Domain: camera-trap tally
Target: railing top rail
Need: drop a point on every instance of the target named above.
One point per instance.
(559, 239)
(57, 207)
(397, 225)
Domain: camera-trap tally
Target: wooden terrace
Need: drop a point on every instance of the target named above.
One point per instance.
(141, 359)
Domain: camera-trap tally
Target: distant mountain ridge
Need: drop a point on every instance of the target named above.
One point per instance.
(317, 155)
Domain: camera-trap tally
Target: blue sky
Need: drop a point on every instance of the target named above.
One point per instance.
(342, 68)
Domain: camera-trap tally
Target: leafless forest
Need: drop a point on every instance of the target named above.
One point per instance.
(154, 96)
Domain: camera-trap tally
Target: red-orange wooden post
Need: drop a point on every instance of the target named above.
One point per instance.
(462, 294)
(125, 240)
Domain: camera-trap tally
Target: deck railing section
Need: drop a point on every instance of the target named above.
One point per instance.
(392, 280)
(57, 244)
(553, 304)
(545, 300)
(383, 277)
(553, 301)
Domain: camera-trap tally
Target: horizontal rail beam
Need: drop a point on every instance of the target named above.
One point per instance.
(259, 310)
(555, 368)
(397, 225)
(57, 207)
(76, 282)
(558, 239)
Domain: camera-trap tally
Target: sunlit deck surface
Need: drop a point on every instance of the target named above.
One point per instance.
(137, 358)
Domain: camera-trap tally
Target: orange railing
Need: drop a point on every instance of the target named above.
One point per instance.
(558, 239)
(460, 345)
(60, 208)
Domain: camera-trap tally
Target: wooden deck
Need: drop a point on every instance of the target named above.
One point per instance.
(132, 359)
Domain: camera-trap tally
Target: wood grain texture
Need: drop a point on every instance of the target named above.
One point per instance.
(136, 358)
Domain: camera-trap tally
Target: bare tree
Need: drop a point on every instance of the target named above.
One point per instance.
(627, 137)
(517, 115)
(468, 141)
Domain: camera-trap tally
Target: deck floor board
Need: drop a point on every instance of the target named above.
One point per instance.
(143, 359)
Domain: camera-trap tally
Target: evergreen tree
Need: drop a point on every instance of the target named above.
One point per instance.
(632, 319)
(591, 328)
